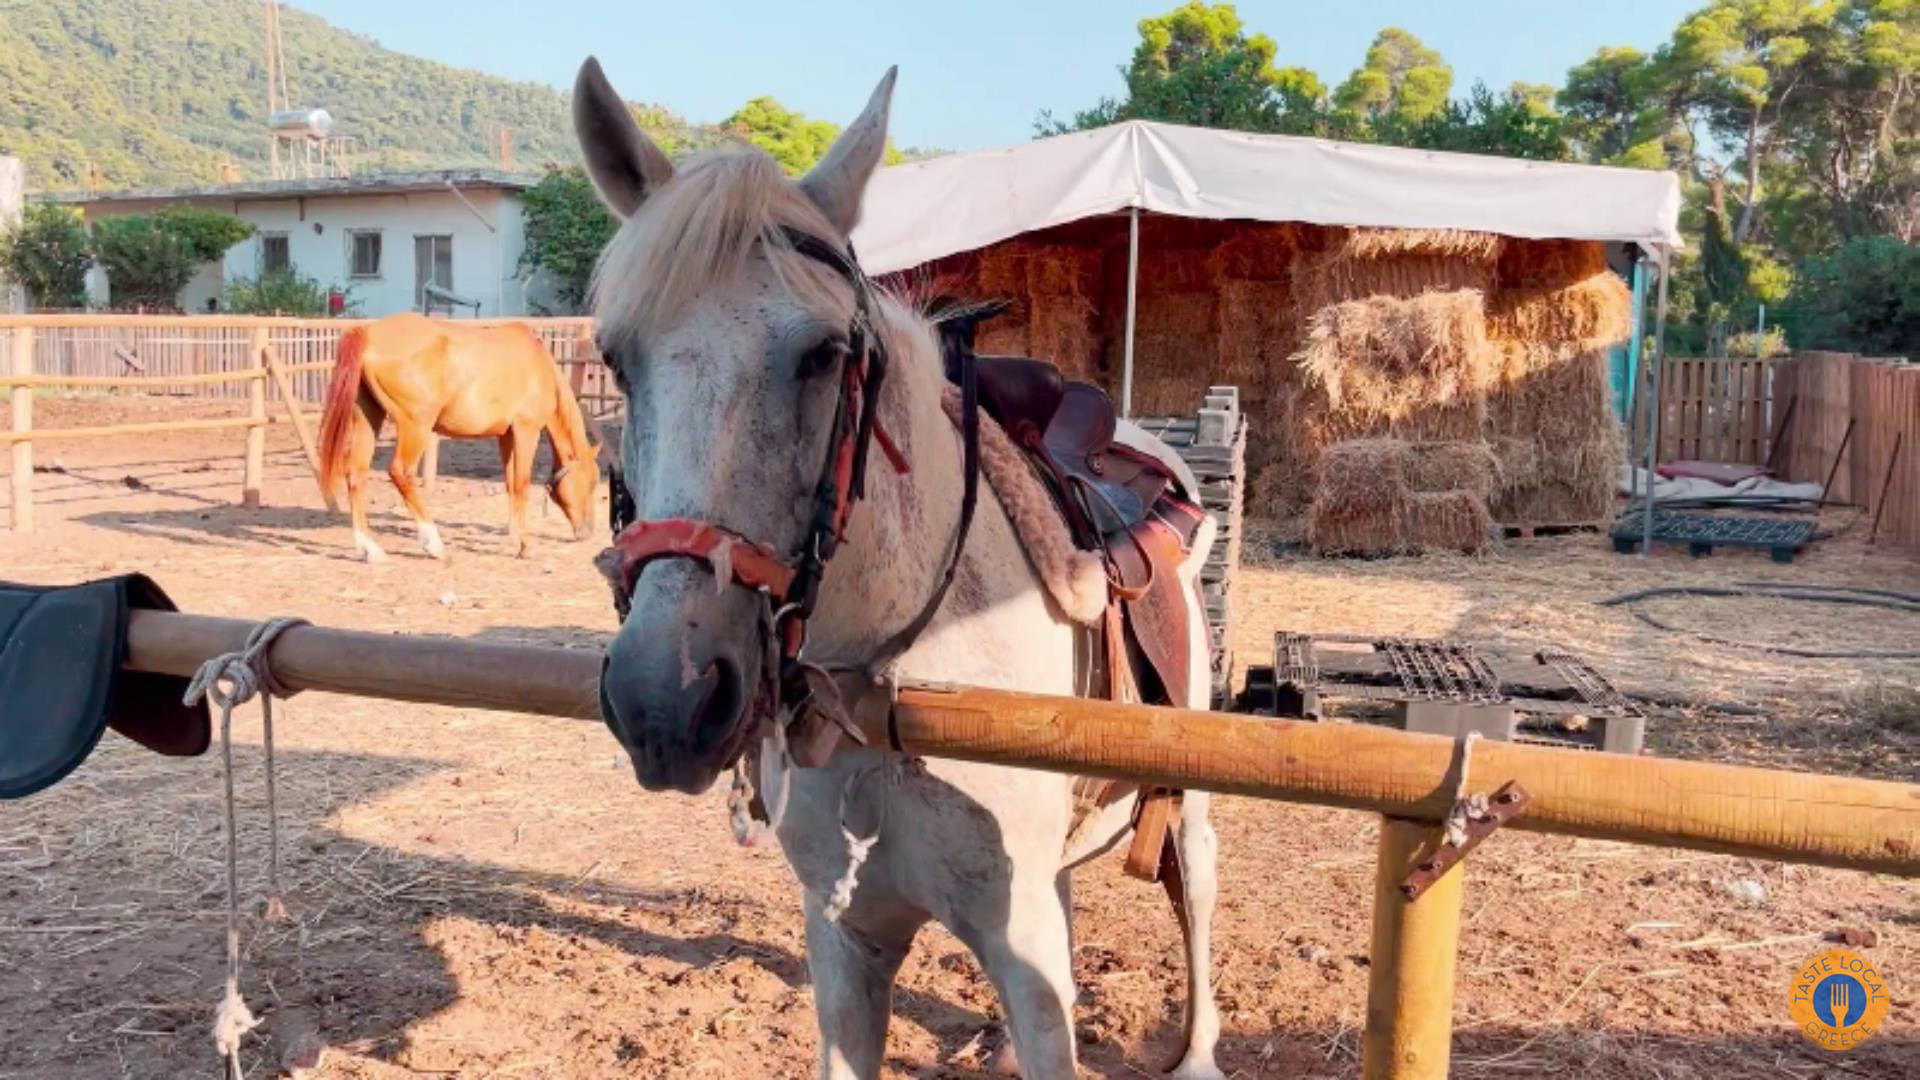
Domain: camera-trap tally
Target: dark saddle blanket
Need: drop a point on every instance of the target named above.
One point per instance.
(61, 683)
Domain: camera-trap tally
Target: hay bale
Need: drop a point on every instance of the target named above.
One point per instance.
(1326, 278)
(1386, 357)
(1257, 252)
(1460, 465)
(1396, 243)
(1559, 445)
(1447, 521)
(1362, 476)
(1549, 263)
(1340, 532)
(1062, 270)
(1595, 312)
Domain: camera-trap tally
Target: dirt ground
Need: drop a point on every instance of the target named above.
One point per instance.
(486, 895)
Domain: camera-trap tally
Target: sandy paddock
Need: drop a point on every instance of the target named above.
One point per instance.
(487, 895)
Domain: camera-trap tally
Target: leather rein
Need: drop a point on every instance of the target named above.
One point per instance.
(791, 584)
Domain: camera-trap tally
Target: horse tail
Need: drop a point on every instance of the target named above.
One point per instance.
(336, 419)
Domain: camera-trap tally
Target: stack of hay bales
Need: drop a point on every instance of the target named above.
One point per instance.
(1391, 497)
(1054, 289)
(1557, 311)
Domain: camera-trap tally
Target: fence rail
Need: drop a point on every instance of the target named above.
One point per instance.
(134, 346)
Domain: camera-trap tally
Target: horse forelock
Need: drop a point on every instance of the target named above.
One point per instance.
(698, 232)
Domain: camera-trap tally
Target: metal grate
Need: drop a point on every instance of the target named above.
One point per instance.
(1672, 526)
(1593, 687)
(1440, 670)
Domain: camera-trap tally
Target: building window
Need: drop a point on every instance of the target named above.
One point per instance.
(432, 265)
(363, 253)
(274, 255)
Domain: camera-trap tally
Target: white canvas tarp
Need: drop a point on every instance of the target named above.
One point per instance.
(927, 210)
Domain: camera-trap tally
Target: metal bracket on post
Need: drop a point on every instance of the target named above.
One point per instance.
(1509, 802)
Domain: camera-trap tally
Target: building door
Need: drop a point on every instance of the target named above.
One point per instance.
(432, 265)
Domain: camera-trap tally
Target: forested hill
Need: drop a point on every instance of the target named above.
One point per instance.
(162, 91)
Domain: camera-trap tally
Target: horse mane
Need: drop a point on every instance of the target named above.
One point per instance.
(698, 231)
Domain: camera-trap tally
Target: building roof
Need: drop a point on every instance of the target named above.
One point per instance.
(254, 190)
(927, 210)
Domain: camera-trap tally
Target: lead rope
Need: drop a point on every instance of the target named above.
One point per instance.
(245, 674)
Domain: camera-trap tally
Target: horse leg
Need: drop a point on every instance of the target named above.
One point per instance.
(852, 972)
(410, 443)
(367, 418)
(1030, 961)
(1192, 883)
(517, 449)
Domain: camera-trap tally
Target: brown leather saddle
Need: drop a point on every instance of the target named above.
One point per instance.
(1128, 506)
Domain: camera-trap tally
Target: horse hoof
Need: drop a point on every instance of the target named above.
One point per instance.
(373, 555)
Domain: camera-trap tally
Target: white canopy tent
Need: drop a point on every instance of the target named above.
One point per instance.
(928, 210)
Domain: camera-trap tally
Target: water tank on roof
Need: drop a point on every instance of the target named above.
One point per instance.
(312, 123)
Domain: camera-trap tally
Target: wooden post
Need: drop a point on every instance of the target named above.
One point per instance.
(1415, 943)
(270, 360)
(257, 434)
(22, 424)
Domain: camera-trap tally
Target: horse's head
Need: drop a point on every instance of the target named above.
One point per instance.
(573, 488)
(730, 331)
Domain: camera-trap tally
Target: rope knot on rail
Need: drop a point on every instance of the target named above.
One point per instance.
(244, 674)
(1466, 808)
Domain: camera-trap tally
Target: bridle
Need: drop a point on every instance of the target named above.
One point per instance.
(790, 586)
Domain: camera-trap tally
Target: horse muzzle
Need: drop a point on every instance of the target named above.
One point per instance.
(675, 688)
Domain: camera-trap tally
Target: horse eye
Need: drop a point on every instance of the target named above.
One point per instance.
(822, 358)
(619, 370)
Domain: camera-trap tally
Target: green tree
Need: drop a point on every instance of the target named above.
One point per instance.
(48, 253)
(1401, 77)
(794, 139)
(1518, 123)
(1614, 109)
(1863, 297)
(149, 258)
(1197, 65)
(567, 226)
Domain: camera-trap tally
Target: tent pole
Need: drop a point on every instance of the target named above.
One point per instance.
(1634, 390)
(1133, 282)
(1653, 394)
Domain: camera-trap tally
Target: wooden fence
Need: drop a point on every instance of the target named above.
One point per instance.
(134, 345)
(1848, 422)
(1712, 409)
(222, 358)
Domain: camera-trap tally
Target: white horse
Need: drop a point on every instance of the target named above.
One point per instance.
(731, 347)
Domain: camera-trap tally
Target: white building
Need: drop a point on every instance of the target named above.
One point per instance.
(13, 186)
(383, 238)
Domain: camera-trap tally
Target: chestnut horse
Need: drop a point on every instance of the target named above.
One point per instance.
(438, 377)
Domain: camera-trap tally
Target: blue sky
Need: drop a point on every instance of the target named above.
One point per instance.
(972, 75)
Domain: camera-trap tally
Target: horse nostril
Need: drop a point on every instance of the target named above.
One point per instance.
(722, 696)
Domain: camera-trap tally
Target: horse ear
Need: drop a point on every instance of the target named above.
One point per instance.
(837, 183)
(625, 165)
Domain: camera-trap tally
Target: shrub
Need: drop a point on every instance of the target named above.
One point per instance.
(281, 292)
(49, 254)
(149, 258)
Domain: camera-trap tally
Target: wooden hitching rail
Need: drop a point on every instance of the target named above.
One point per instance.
(1408, 778)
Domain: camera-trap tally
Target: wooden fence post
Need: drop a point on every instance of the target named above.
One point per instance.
(22, 397)
(1409, 1033)
(257, 434)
